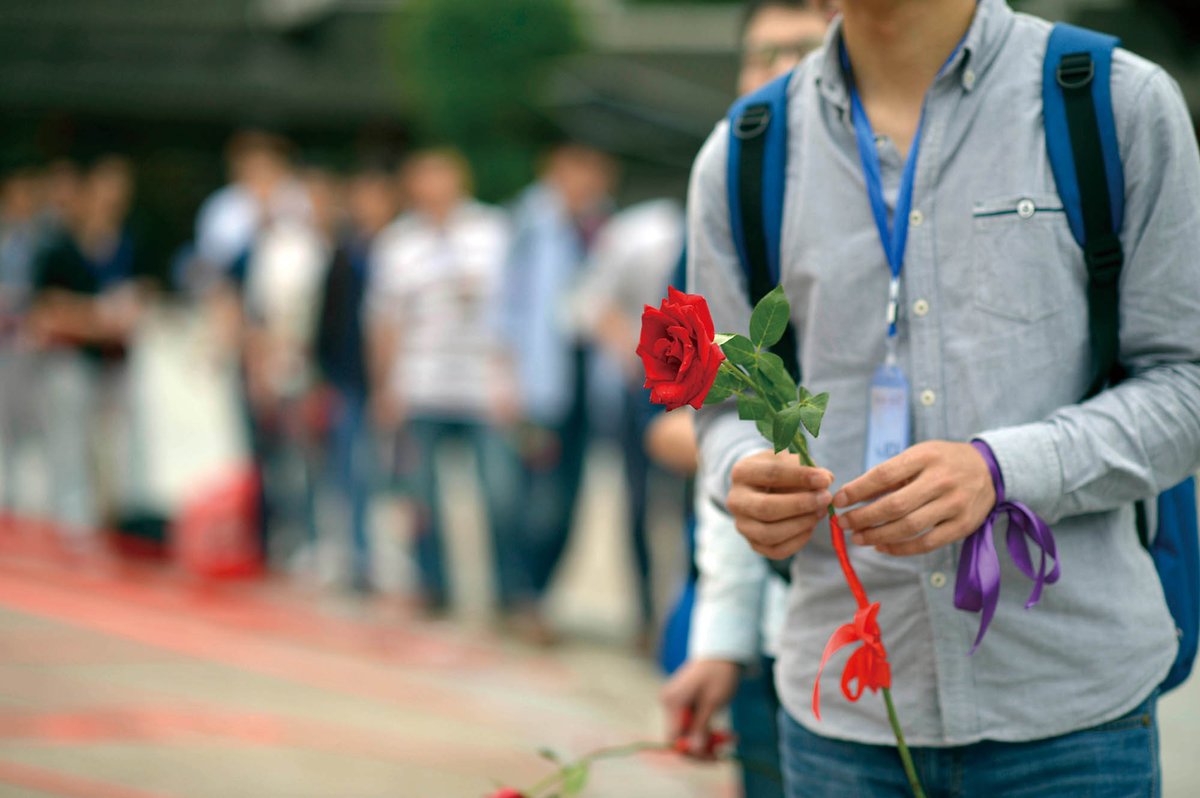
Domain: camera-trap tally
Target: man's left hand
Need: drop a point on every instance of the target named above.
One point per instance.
(929, 496)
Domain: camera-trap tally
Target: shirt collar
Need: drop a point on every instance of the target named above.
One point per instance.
(985, 38)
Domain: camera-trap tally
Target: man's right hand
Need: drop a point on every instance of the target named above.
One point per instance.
(698, 690)
(776, 503)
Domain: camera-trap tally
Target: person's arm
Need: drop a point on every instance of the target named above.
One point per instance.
(775, 502)
(383, 338)
(670, 442)
(65, 316)
(1126, 444)
(726, 626)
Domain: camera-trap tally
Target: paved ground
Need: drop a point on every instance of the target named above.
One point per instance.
(130, 682)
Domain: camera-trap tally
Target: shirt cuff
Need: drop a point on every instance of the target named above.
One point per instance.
(726, 630)
(1030, 465)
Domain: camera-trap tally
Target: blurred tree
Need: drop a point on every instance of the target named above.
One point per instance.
(474, 71)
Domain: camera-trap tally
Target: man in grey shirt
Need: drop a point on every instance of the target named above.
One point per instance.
(993, 338)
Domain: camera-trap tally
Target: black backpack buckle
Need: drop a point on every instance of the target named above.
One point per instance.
(1104, 258)
(1076, 70)
(753, 122)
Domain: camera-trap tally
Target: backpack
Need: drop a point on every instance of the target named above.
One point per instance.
(1080, 129)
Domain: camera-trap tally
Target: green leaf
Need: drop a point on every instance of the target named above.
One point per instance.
(548, 755)
(739, 350)
(574, 779)
(722, 338)
(726, 380)
(724, 386)
(770, 319)
(812, 410)
(787, 422)
(774, 378)
(753, 408)
(765, 428)
(716, 395)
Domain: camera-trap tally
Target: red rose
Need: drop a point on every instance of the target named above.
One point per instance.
(678, 351)
(506, 792)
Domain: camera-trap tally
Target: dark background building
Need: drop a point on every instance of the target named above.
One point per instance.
(166, 81)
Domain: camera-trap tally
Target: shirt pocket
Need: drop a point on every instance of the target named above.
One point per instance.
(1017, 253)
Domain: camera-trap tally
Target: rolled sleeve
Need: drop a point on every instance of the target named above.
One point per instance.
(727, 616)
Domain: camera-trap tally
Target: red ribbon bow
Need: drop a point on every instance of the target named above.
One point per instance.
(867, 667)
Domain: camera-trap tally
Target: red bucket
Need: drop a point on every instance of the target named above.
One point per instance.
(217, 534)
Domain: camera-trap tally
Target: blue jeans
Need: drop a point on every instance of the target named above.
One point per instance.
(497, 464)
(636, 414)
(550, 487)
(1118, 759)
(753, 711)
(352, 473)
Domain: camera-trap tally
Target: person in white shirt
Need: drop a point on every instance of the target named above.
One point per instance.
(630, 262)
(437, 368)
(740, 603)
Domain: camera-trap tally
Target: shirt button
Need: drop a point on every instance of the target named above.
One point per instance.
(920, 308)
(969, 79)
(916, 218)
(928, 398)
(1026, 208)
(937, 579)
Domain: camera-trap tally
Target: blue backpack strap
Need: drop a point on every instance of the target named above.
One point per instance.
(758, 129)
(1081, 140)
(1068, 40)
(756, 178)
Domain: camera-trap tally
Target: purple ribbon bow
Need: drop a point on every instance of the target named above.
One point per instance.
(978, 585)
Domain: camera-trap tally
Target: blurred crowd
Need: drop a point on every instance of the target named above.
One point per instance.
(366, 320)
(370, 317)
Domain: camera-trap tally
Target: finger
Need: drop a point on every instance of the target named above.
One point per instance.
(699, 729)
(908, 526)
(784, 549)
(883, 478)
(780, 473)
(762, 534)
(897, 505)
(745, 502)
(941, 535)
(675, 701)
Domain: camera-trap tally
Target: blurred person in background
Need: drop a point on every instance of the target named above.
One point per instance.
(371, 204)
(739, 602)
(284, 269)
(556, 221)
(256, 264)
(263, 185)
(21, 231)
(85, 310)
(61, 185)
(437, 369)
(631, 261)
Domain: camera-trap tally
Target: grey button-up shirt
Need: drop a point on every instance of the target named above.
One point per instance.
(994, 340)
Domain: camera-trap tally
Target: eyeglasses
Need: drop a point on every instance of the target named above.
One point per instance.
(769, 54)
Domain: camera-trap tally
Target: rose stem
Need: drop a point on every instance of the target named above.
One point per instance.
(801, 447)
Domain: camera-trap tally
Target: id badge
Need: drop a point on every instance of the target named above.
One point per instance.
(888, 429)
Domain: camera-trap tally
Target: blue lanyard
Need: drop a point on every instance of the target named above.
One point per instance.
(893, 237)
